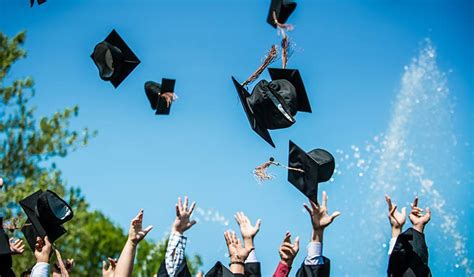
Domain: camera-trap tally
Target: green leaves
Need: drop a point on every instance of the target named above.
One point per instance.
(30, 149)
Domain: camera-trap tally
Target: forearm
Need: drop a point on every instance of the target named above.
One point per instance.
(317, 235)
(419, 227)
(125, 263)
(396, 231)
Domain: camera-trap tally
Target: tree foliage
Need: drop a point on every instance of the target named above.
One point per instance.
(30, 147)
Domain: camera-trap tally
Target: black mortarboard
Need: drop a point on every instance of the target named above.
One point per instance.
(294, 77)
(219, 270)
(114, 59)
(260, 130)
(318, 166)
(409, 256)
(46, 213)
(282, 9)
(32, 2)
(154, 91)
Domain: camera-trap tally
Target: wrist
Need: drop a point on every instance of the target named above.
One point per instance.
(237, 267)
(248, 242)
(288, 263)
(419, 227)
(396, 231)
(133, 243)
(42, 260)
(317, 235)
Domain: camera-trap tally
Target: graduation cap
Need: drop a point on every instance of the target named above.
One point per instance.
(114, 59)
(281, 11)
(409, 256)
(161, 95)
(46, 213)
(316, 166)
(273, 105)
(294, 77)
(32, 2)
(219, 270)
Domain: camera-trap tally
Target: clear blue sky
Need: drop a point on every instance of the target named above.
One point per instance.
(351, 55)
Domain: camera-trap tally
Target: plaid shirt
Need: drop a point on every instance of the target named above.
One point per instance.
(175, 253)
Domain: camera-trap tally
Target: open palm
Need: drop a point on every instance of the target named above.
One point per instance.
(397, 219)
(319, 214)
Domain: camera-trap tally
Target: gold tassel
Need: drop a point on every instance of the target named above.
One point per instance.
(169, 97)
(261, 174)
(284, 51)
(269, 58)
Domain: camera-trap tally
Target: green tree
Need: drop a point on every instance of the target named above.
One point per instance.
(29, 150)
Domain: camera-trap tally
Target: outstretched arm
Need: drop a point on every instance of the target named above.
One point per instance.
(288, 252)
(238, 253)
(135, 235)
(177, 241)
(320, 219)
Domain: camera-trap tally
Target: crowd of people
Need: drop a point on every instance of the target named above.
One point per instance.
(408, 253)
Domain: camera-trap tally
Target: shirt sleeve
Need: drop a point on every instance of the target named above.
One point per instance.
(391, 245)
(252, 258)
(40, 270)
(282, 270)
(315, 254)
(175, 253)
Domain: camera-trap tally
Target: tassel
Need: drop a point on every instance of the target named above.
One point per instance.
(169, 98)
(284, 51)
(269, 58)
(260, 172)
(282, 27)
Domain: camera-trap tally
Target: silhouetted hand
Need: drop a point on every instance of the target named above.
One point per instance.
(136, 232)
(417, 218)
(183, 214)
(43, 249)
(16, 246)
(289, 251)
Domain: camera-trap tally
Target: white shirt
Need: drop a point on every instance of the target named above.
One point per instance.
(40, 270)
(315, 254)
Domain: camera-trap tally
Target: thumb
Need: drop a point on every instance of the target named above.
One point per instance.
(428, 212)
(334, 215)
(404, 211)
(257, 225)
(46, 241)
(104, 265)
(192, 222)
(296, 246)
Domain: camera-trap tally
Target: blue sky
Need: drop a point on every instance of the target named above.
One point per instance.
(351, 55)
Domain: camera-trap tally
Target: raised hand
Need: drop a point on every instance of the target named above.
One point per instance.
(320, 218)
(247, 230)
(417, 218)
(288, 251)
(43, 249)
(16, 246)
(183, 214)
(110, 270)
(238, 253)
(136, 233)
(397, 219)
